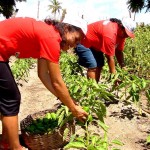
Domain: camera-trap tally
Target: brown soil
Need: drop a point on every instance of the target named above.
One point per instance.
(124, 121)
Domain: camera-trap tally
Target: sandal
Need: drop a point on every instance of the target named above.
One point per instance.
(4, 145)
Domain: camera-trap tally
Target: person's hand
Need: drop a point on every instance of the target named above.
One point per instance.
(125, 68)
(117, 82)
(79, 113)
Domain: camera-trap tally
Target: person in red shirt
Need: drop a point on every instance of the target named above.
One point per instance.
(43, 40)
(104, 37)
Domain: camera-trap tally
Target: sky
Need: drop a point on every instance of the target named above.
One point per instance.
(92, 10)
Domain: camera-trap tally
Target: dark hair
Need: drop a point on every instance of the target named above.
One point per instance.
(62, 28)
(118, 21)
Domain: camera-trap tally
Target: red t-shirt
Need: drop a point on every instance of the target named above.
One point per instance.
(28, 38)
(103, 36)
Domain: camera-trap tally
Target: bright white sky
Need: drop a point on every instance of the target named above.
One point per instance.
(92, 10)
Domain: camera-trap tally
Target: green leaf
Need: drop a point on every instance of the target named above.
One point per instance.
(95, 84)
(86, 108)
(65, 135)
(61, 117)
(134, 87)
(103, 125)
(94, 139)
(83, 90)
(91, 147)
(122, 85)
(59, 111)
(66, 110)
(143, 83)
(77, 145)
(103, 109)
(101, 148)
(72, 138)
(117, 142)
(135, 98)
(76, 89)
(148, 95)
(80, 139)
(148, 139)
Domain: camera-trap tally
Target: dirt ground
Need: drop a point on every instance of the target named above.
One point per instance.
(124, 121)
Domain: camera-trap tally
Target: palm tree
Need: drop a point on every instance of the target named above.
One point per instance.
(147, 6)
(55, 7)
(63, 14)
(136, 6)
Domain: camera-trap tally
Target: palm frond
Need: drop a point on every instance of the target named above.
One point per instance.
(135, 5)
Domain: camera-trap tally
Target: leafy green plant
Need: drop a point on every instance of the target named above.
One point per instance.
(132, 88)
(86, 92)
(21, 67)
(69, 65)
(137, 52)
(92, 141)
(89, 94)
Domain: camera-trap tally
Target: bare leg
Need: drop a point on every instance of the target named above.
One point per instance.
(4, 135)
(91, 73)
(98, 73)
(94, 73)
(10, 127)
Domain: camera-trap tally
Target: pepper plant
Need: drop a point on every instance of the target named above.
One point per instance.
(21, 67)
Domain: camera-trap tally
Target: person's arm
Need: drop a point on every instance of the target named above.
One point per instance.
(120, 58)
(111, 63)
(50, 75)
(109, 44)
(43, 74)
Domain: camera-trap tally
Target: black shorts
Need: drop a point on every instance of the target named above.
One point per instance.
(9, 92)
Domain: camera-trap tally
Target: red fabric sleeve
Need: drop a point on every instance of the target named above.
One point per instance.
(108, 46)
(85, 42)
(121, 44)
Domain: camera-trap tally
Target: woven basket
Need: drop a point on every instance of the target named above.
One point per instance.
(52, 141)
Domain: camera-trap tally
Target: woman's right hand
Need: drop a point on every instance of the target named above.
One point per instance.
(79, 113)
(117, 82)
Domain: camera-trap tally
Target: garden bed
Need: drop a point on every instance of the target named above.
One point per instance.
(124, 121)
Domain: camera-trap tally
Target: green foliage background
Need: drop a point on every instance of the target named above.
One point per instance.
(137, 52)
